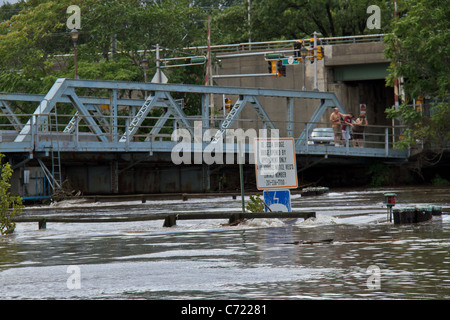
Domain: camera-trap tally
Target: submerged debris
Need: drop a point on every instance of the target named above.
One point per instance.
(65, 192)
(314, 191)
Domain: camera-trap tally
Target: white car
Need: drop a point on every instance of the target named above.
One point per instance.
(321, 136)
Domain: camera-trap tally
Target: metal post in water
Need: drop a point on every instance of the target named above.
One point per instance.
(390, 202)
(386, 141)
(240, 159)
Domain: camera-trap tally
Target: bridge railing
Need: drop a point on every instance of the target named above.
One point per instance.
(75, 128)
(372, 137)
(70, 132)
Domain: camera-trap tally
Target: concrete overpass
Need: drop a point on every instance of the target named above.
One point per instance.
(354, 68)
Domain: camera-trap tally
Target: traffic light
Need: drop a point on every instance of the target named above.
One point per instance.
(272, 67)
(281, 70)
(297, 47)
(310, 55)
(228, 105)
(319, 52)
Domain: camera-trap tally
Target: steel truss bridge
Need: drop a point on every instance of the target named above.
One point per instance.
(82, 116)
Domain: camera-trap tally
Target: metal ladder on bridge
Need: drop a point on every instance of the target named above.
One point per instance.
(55, 154)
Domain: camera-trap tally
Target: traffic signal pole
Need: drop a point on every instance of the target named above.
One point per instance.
(315, 62)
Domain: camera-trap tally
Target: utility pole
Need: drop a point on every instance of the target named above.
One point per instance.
(158, 64)
(249, 28)
(315, 61)
(396, 88)
(208, 76)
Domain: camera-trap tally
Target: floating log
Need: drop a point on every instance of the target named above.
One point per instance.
(157, 196)
(314, 191)
(346, 240)
(42, 224)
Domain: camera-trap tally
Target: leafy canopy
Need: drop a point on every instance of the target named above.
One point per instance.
(10, 206)
(419, 51)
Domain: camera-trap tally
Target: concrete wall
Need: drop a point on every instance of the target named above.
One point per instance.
(276, 108)
(372, 92)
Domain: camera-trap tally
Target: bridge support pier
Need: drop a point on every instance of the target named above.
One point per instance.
(115, 176)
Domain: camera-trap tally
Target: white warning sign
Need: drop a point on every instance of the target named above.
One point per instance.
(275, 163)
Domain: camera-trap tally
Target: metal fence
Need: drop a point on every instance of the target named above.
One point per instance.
(285, 44)
(51, 133)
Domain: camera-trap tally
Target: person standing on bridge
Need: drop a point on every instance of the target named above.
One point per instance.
(335, 119)
(347, 127)
(358, 130)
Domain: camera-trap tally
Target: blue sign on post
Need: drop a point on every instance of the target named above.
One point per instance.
(278, 200)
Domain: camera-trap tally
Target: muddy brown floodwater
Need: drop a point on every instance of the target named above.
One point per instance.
(260, 259)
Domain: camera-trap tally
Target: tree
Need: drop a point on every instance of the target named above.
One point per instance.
(419, 51)
(9, 206)
(114, 38)
(230, 24)
(294, 19)
(8, 10)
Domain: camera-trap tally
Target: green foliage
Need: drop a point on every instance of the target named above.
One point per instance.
(9, 206)
(115, 36)
(9, 9)
(419, 51)
(438, 181)
(295, 19)
(255, 204)
(380, 175)
(230, 25)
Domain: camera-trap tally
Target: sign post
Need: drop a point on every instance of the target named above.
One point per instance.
(276, 171)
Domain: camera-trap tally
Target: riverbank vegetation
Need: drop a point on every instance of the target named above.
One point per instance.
(10, 206)
(419, 51)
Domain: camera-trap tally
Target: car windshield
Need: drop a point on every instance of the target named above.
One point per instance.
(322, 134)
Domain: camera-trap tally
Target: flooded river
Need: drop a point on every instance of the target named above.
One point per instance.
(259, 259)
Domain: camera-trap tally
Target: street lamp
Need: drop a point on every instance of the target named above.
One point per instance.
(304, 54)
(74, 34)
